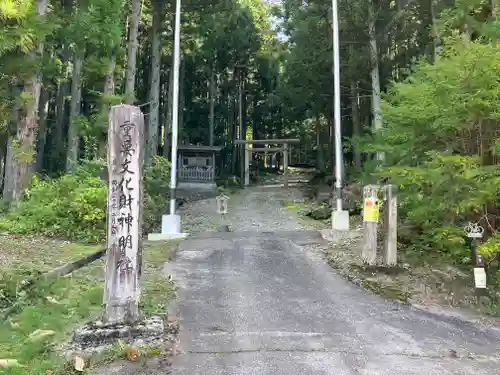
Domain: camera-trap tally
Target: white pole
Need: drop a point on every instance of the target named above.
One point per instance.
(175, 104)
(336, 93)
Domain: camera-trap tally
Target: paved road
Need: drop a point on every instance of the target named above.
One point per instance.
(259, 304)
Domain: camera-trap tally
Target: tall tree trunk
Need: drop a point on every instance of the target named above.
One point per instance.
(213, 92)
(241, 125)
(3, 156)
(8, 175)
(8, 172)
(234, 124)
(132, 52)
(74, 113)
(167, 131)
(356, 124)
(57, 134)
(42, 134)
(22, 147)
(375, 75)
(319, 152)
(154, 92)
(435, 30)
(182, 100)
(109, 90)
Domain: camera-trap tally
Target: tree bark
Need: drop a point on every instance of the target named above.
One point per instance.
(42, 134)
(109, 90)
(319, 152)
(168, 120)
(3, 154)
(435, 30)
(375, 75)
(356, 124)
(213, 90)
(22, 147)
(154, 92)
(182, 100)
(74, 113)
(57, 128)
(132, 52)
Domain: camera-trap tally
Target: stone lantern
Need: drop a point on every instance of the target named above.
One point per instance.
(222, 204)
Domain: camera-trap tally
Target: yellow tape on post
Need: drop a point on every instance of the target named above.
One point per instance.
(371, 210)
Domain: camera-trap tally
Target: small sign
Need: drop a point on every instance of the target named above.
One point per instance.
(474, 230)
(371, 210)
(480, 277)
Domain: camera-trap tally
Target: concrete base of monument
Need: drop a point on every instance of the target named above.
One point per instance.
(170, 229)
(340, 220)
(97, 334)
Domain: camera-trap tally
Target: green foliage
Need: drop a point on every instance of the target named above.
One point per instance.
(11, 285)
(443, 188)
(491, 248)
(157, 193)
(228, 183)
(157, 177)
(74, 206)
(433, 119)
(42, 316)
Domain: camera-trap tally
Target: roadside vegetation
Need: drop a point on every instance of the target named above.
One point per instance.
(442, 150)
(61, 220)
(36, 321)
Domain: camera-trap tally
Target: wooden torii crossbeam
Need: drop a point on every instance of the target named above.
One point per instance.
(284, 150)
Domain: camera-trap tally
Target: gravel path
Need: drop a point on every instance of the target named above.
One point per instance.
(257, 208)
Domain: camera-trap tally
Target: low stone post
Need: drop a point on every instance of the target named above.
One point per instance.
(390, 254)
(370, 223)
(222, 206)
(124, 245)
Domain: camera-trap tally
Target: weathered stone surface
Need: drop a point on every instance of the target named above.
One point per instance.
(97, 333)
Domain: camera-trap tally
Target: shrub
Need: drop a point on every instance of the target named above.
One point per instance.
(228, 183)
(439, 141)
(157, 193)
(74, 206)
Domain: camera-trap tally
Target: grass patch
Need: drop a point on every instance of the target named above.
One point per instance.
(295, 206)
(56, 307)
(299, 208)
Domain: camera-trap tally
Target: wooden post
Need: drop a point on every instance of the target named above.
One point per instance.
(124, 245)
(390, 257)
(370, 223)
(285, 165)
(247, 164)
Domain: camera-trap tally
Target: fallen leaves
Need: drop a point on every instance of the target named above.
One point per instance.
(53, 300)
(132, 354)
(40, 334)
(80, 363)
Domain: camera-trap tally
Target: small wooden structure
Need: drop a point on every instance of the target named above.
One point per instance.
(284, 149)
(197, 163)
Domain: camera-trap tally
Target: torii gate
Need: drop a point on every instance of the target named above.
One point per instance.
(283, 149)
